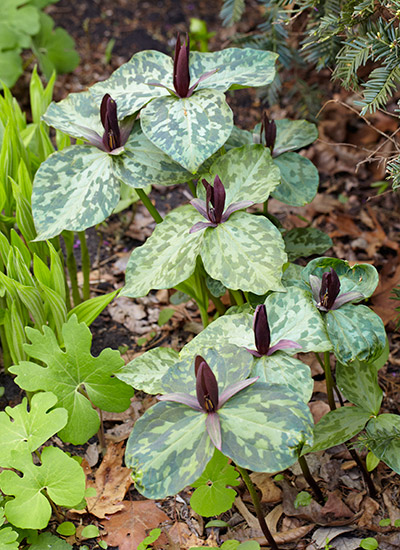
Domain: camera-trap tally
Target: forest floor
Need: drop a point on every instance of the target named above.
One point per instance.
(364, 225)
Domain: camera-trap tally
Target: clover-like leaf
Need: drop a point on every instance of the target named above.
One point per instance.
(212, 495)
(188, 129)
(10, 67)
(22, 20)
(21, 429)
(146, 371)
(337, 427)
(76, 377)
(8, 537)
(61, 477)
(359, 277)
(305, 241)
(356, 332)
(47, 540)
(299, 179)
(293, 134)
(358, 382)
(383, 435)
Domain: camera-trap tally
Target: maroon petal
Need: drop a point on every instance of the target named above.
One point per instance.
(201, 225)
(183, 398)
(234, 207)
(103, 109)
(218, 199)
(206, 386)
(262, 334)
(200, 206)
(181, 67)
(126, 129)
(213, 427)
(283, 344)
(347, 297)
(203, 77)
(235, 388)
(330, 288)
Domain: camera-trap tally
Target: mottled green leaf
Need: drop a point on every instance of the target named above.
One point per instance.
(60, 475)
(358, 382)
(168, 449)
(169, 255)
(238, 138)
(360, 277)
(75, 377)
(299, 179)
(216, 288)
(263, 426)
(305, 241)
(145, 372)
(21, 429)
(244, 67)
(74, 189)
(356, 332)
(212, 496)
(246, 252)
(281, 368)
(384, 439)
(190, 129)
(337, 427)
(293, 134)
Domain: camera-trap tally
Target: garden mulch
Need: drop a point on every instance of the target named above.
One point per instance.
(364, 225)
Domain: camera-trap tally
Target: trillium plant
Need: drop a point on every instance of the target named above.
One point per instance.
(235, 398)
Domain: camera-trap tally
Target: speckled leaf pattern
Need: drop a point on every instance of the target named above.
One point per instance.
(292, 316)
(356, 332)
(143, 163)
(168, 449)
(358, 382)
(248, 173)
(245, 67)
(131, 84)
(384, 432)
(145, 372)
(336, 427)
(281, 368)
(21, 429)
(360, 277)
(305, 241)
(168, 257)
(246, 252)
(238, 138)
(191, 129)
(262, 426)
(75, 114)
(73, 189)
(293, 134)
(299, 179)
(229, 364)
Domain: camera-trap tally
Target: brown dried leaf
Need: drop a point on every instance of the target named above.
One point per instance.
(181, 536)
(112, 481)
(269, 491)
(128, 527)
(369, 507)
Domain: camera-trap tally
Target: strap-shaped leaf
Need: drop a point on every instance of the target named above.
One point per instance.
(299, 179)
(243, 67)
(263, 426)
(359, 277)
(75, 377)
(146, 371)
(246, 252)
(21, 429)
(356, 332)
(60, 475)
(281, 368)
(74, 189)
(358, 382)
(337, 427)
(168, 449)
(169, 255)
(293, 134)
(190, 129)
(384, 439)
(132, 85)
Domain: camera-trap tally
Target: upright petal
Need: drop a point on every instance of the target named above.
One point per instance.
(218, 200)
(206, 386)
(330, 288)
(262, 334)
(181, 67)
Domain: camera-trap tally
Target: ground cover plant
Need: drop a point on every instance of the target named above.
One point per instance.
(233, 402)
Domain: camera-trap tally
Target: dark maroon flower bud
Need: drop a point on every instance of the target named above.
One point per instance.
(206, 386)
(181, 67)
(262, 333)
(269, 129)
(330, 288)
(216, 197)
(108, 114)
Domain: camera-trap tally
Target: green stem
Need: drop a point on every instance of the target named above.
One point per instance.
(257, 505)
(204, 315)
(192, 188)
(237, 296)
(71, 265)
(100, 434)
(311, 481)
(265, 207)
(85, 259)
(364, 471)
(219, 306)
(329, 381)
(149, 205)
